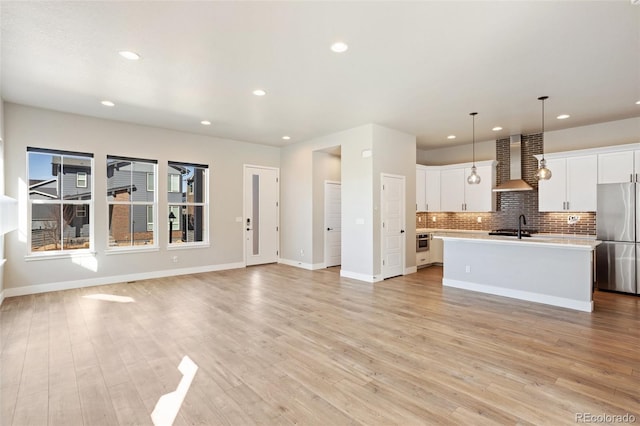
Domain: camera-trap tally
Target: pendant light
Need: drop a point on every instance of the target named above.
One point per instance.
(474, 177)
(543, 173)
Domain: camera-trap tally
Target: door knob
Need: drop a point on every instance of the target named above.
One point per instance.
(329, 229)
(402, 231)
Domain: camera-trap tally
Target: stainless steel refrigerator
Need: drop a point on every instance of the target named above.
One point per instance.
(618, 227)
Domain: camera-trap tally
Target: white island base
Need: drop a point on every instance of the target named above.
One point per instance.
(554, 272)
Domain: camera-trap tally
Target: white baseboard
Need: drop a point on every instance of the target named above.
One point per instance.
(410, 270)
(298, 264)
(115, 279)
(360, 277)
(562, 302)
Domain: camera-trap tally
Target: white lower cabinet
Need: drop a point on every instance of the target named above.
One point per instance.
(422, 258)
(436, 251)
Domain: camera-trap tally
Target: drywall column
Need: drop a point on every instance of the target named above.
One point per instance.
(357, 207)
(394, 152)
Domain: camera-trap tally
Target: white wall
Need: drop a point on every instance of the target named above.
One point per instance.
(2, 192)
(325, 167)
(596, 135)
(297, 193)
(357, 206)
(27, 126)
(394, 152)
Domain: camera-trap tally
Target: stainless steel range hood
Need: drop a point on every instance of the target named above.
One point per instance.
(515, 166)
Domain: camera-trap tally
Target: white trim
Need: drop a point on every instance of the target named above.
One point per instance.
(184, 246)
(131, 249)
(590, 151)
(297, 264)
(60, 254)
(115, 279)
(1, 297)
(463, 165)
(360, 277)
(410, 270)
(519, 294)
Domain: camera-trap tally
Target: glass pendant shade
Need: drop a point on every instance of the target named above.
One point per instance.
(474, 177)
(543, 173)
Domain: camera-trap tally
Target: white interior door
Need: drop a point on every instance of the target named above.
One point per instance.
(261, 215)
(332, 224)
(392, 200)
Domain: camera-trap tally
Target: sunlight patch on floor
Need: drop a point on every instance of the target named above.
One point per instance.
(110, 298)
(169, 404)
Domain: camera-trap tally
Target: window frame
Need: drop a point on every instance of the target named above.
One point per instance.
(185, 205)
(153, 182)
(132, 247)
(61, 202)
(84, 180)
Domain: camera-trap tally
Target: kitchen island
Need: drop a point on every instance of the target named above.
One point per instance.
(554, 271)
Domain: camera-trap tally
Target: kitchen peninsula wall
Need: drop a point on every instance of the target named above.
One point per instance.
(511, 204)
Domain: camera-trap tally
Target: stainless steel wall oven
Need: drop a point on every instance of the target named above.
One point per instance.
(422, 242)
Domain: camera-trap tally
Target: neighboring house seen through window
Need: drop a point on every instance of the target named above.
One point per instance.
(60, 200)
(132, 207)
(188, 201)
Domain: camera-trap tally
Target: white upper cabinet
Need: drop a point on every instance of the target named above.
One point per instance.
(432, 187)
(452, 183)
(617, 167)
(421, 180)
(456, 195)
(573, 184)
(427, 188)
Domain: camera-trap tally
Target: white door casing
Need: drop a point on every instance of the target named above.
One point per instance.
(332, 224)
(392, 201)
(261, 214)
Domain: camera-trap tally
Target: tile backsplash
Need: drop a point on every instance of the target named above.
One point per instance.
(510, 205)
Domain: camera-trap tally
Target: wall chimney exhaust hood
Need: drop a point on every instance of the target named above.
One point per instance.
(515, 166)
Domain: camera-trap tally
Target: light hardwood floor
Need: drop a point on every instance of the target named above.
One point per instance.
(281, 345)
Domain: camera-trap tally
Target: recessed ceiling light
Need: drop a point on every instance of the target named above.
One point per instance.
(132, 56)
(339, 47)
(497, 129)
(259, 92)
(205, 123)
(286, 138)
(108, 103)
(563, 116)
(637, 102)
(451, 137)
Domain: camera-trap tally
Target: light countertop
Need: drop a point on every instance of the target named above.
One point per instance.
(582, 242)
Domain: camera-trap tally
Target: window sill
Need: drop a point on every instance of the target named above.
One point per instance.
(129, 250)
(55, 256)
(183, 246)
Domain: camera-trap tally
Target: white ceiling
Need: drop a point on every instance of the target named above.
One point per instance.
(419, 67)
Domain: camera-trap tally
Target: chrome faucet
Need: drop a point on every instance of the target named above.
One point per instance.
(521, 220)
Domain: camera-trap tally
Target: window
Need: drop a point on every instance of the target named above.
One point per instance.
(188, 207)
(174, 183)
(132, 207)
(60, 208)
(81, 180)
